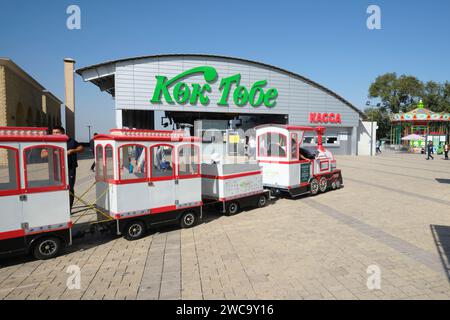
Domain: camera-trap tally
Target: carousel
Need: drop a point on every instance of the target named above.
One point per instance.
(414, 129)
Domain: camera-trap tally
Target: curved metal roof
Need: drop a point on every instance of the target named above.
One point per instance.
(295, 75)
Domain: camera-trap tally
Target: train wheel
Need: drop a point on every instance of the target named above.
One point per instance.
(46, 248)
(333, 185)
(262, 201)
(188, 220)
(233, 208)
(323, 184)
(314, 187)
(134, 230)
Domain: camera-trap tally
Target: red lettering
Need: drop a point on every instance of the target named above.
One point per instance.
(316, 117)
(331, 118)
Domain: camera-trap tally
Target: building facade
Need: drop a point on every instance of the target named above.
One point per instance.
(155, 91)
(23, 101)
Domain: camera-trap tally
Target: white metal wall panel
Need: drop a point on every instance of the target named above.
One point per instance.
(135, 83)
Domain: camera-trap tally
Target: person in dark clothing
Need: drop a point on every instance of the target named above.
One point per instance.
(73, 148)
(92, 146)
(430, 150)
(446, 150)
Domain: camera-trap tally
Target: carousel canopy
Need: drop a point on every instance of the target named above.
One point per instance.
(413, 137)
(420, 114)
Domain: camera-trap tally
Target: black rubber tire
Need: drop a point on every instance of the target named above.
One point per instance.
(46, 248)
(232, 208)
(314, 187)
(134, 230)
(323, 184)
(333, 185)
(188, 219)
(262, 201)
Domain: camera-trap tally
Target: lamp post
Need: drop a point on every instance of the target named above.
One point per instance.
(89, 132)
(371, 125)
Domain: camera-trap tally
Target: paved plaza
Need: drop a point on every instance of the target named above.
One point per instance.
(393, 215)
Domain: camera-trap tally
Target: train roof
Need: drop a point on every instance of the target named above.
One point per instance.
(146, 135)
(29, 134)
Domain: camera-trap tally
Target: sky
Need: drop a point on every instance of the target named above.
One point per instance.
(326, 41)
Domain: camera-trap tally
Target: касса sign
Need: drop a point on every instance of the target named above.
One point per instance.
(175, 91)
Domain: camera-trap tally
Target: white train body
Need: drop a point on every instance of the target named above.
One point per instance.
(150, 174)
(284, 168)
(34, 194)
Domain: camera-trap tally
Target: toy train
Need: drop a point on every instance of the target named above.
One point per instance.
(146, 178)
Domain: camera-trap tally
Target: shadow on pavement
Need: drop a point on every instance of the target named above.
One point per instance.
(441, 235)
(447, 181)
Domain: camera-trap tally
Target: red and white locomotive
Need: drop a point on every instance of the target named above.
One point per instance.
(288, 167)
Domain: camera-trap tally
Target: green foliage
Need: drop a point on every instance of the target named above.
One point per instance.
(381, 116)
(403, 93)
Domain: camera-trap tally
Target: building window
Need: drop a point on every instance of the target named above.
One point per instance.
(188, 160)
(331, 140)
(109, 163)
(310, 140)
(9, 174)
(44, 167)
(133, 162)
(272, 144)
(161, 162)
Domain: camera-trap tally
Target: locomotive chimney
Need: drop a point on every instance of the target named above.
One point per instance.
(70, 96)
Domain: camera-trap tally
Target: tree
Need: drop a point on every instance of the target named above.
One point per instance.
(409, 90)
(381, 116)
(385, 88)
(397, 93)
(432, 96)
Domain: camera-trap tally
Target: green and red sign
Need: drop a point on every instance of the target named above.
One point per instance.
(174, 90)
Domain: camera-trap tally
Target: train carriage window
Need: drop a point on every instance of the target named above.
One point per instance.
(99, 161)
(294, 146)
(188, 160)
(109, 160)
(133, 162)
(161, 161)
(43, 167)
(9, 176)
(272, 144)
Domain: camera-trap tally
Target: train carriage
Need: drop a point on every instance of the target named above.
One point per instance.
(147, 178)
(34, 195)
(288, 167)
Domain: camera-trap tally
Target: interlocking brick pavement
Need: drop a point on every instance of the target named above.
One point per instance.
(394, 212)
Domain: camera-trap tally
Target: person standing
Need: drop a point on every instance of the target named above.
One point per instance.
(73, 148)
(251, 147)
(92, 146)
(446, 150)
(430, 150)
(378, 147)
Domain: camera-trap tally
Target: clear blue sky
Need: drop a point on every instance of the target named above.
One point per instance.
(327, 41)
